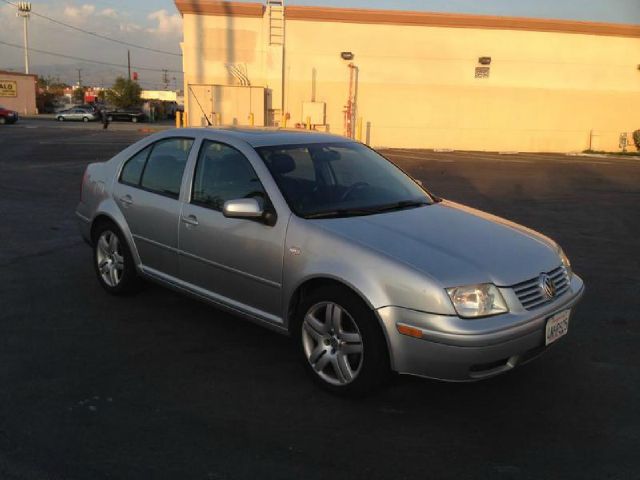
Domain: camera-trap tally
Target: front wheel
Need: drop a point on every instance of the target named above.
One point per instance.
(113, 261)
(341, 342)
(85, 119)
(61, 118)
(134, 119)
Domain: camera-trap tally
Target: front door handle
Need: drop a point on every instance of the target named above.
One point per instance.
(190, 220)
(126, 200)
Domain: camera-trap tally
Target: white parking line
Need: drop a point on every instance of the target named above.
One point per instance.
(59, 164)
(75, 142)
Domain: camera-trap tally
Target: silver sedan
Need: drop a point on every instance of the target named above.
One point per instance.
(76, 114)
(322, 238)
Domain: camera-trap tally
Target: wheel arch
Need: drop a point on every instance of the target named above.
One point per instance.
(314, 283)
(105, 217)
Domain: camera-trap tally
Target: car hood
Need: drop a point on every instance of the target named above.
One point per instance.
(453, 244)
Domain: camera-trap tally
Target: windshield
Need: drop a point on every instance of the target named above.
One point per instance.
(340, 179)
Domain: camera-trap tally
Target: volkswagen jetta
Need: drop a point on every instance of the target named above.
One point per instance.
(322, 238)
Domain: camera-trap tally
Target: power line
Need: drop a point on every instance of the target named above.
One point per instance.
(88, 60)
(97, 35)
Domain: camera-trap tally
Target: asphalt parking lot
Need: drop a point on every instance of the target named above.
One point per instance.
(159, 386)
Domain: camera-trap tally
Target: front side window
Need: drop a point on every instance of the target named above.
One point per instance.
(223, 173)
(158, 167)
(340, 179)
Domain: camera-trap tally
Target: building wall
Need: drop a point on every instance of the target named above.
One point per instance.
(25, 101)
(547, 91)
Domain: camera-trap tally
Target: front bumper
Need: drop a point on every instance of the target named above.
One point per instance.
(455, 349)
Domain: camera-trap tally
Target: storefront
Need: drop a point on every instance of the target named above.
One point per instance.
(18, 92)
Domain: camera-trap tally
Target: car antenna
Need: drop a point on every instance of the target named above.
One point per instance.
(201, 109)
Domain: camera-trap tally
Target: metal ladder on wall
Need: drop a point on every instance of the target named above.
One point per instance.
(276, 22)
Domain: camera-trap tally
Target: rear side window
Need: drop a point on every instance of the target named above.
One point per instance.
(159, 167)
(165, 166)
(132, 170)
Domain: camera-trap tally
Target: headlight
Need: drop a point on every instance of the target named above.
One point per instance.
(565, 261)
(477, 300)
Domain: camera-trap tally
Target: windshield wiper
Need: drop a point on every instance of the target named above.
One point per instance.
(353, 212)
(341, 212)
(399, 206)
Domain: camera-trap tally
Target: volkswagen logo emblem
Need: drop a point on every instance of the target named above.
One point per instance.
(547, 287)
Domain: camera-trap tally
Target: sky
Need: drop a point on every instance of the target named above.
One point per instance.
(157, 24)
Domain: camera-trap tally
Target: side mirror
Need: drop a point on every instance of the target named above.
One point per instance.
(243, 208)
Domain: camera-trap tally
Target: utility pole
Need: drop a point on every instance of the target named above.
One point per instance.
(129, 63)
(24, 9)
(79, 77)
(165, 79)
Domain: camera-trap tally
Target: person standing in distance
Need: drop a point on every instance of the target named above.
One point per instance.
(105, 118)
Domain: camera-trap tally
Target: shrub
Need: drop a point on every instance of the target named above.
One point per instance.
(636, 139)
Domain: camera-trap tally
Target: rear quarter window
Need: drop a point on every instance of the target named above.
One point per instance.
(132, 170)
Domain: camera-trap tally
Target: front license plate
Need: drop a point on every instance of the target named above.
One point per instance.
(557, 326)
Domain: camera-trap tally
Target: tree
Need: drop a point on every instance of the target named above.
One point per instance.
(52, 85)
(125, 93)
(78, 94)
(49, 90)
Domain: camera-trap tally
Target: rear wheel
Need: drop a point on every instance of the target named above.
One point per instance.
(61, 118)
(113, 262)
(342, 345)
(85, 119)
(3, 120)
(110, 118)
(134, 119)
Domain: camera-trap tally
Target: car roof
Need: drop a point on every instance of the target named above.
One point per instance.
(267, 136)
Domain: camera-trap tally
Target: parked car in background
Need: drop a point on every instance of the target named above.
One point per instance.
(7, 116)
(76, 114)
(126, 115)
(323, 238)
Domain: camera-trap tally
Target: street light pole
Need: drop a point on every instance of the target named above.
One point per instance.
(24, 9)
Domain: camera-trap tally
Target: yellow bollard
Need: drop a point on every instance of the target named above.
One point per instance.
(359, 130)
(251, 119)
(284, 120)
(308, 123)
(178, 119)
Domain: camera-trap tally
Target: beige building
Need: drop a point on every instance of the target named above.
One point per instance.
(413, 79)
(18, 92)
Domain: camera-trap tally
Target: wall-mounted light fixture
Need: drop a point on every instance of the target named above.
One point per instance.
(347, 55)
(484, 60)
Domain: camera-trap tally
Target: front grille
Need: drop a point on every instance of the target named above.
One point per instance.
(530, 294)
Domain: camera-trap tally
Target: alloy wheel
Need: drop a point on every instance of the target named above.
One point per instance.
(109, 258)
(332, 343)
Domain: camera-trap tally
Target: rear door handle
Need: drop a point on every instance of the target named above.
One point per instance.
(126, 200)
(190, 220)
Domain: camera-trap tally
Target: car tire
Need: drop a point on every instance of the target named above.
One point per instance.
(341, 342)
(113, 262)
(61, 119)
(109, 118)
(85, 119)
(3, 120)
(134, 119)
